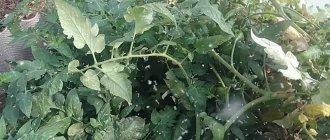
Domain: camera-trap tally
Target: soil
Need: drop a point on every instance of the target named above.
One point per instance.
(6, 6)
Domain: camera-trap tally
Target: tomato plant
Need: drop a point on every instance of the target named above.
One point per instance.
(176, 69)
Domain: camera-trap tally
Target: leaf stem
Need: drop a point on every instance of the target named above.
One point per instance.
(217, 75)
(240, 76)
(253, 103)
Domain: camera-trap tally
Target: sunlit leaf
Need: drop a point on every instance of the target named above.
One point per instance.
(275, 52)
(80, 28)
(91, 80)
(142, 18)
(116, 81)
(161, 8)
(75, 129)
(72, 66)
(131, 128)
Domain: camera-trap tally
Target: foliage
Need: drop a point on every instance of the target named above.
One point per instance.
(186, 69)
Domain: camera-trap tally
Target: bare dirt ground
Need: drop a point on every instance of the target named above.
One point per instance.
(6, 6)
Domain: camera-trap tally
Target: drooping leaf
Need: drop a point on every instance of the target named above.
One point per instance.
(131, 128)
(275, 52)
(73, 105)
(161, 8)
(80, 28)
(212, 12)
(24, 100)
(91, 80)
(2, 128)
(116, 81)
(142, 18)
(206, 44)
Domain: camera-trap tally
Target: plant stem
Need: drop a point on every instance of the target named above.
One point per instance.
(253, 103)
(198, 127)
(306, 131)
(217, 75)
(240, 76)
(176, 62)
(279, 8)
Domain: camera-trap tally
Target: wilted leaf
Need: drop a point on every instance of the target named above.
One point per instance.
(90, 80)
(142, 17)
(73, 105)
(116, 81)
(275, 52)
(80, 28)
(211, 11)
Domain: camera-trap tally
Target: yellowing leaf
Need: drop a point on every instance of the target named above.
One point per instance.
(315, 110)
(302, 118)
(75, 25)
(275, 52)
(90, 80)
(142, 17)
(116, 81)
(312, 132)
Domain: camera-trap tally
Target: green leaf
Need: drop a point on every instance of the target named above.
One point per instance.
(43, 55)
(96, 102)
(131, 128)
(73, 105)
(56, 84)
(206, 44)
(35, 74)
(165, 117)
(72, 66)
(142, 17)
(212, 12)
(197, 98)
(55, 125)
(274, 31)
(90, 80)
(104, 116)
(76, 129)
(116, 81)
(24, 101)
(10, 113)
(30, 126)
(181, 127)
(80, 28)
(218, 130)
(323, 96)
(161, 8)
(41, 104)
(2, 128)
